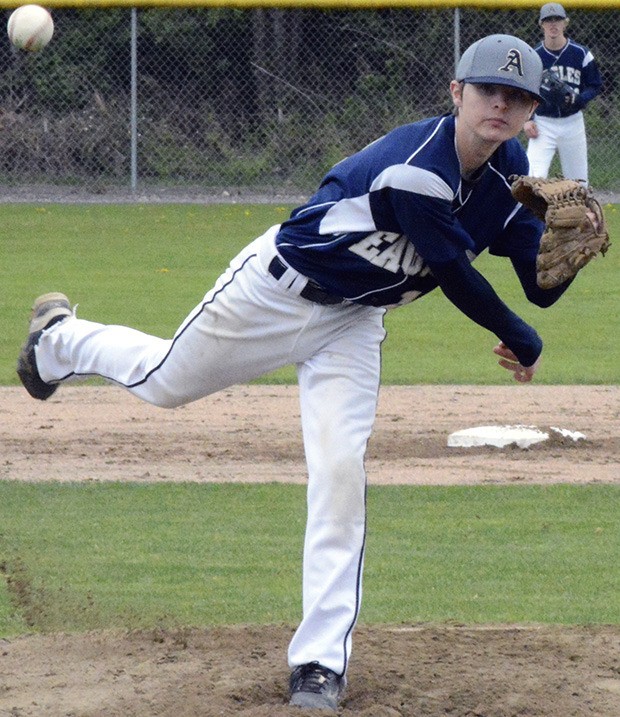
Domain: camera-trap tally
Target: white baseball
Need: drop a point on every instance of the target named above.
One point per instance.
(30, 27)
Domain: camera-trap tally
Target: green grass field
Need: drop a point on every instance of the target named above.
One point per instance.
(147, 266)
(87, 556)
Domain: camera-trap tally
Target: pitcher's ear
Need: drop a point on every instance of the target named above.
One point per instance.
(456, 90)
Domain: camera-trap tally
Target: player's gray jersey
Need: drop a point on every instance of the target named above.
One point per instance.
(381, 216)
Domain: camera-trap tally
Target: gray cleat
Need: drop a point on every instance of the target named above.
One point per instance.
(316, 687)
(47, 310)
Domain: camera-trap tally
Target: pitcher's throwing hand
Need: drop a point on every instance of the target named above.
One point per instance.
(509, 361)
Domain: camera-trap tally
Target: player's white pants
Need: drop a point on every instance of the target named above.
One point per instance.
(567, 136)
(247, 325)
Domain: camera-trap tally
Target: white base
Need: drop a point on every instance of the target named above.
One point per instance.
(502, 436)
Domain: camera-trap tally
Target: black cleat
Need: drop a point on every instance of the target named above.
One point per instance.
(316, 687)
(47, 310)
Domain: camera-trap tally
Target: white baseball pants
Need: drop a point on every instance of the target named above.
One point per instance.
(247, 325)
(567, 137)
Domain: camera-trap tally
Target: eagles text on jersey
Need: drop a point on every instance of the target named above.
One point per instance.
(574, 65)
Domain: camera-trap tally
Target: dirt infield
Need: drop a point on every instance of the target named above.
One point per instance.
(253, 433)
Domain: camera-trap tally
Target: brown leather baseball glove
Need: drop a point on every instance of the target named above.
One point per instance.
(575, 228)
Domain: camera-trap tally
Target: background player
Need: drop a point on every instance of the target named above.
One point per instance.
(558, 124)
(405, 215)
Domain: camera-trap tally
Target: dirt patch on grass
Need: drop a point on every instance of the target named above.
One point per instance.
(408, 671)
(252, 433)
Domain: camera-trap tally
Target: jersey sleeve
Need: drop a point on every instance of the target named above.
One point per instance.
(427, 219)
(591, 82)
(472, 294)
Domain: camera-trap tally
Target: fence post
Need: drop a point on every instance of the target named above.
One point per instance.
(134, 99)
(457, 37)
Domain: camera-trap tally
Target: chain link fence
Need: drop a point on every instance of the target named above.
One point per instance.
(266, 99)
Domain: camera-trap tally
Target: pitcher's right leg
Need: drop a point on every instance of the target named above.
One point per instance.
(244, 327)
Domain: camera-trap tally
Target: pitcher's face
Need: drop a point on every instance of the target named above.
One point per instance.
(493, 113)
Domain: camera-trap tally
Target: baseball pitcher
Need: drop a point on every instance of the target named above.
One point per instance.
(405, 216)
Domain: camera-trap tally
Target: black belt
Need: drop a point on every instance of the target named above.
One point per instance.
(311, 291)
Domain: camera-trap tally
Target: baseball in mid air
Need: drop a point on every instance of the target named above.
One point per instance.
(30, 27)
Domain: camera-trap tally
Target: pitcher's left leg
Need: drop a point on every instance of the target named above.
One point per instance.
(573, 149)
(338, 393)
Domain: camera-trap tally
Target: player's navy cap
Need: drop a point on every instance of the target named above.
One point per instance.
(552, 9)
(501, 60)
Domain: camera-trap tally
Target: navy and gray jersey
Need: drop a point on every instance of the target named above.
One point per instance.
(394, 221)
(575, 65)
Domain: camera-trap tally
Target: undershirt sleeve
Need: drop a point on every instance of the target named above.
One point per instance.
(472, 294)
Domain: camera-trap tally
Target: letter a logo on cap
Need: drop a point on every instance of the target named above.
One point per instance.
(514, 63)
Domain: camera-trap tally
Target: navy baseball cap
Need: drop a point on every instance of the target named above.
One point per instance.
(502, 60)
(552, 9)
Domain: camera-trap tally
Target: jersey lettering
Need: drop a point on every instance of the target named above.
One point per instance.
(392, 252)
(568, 74)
